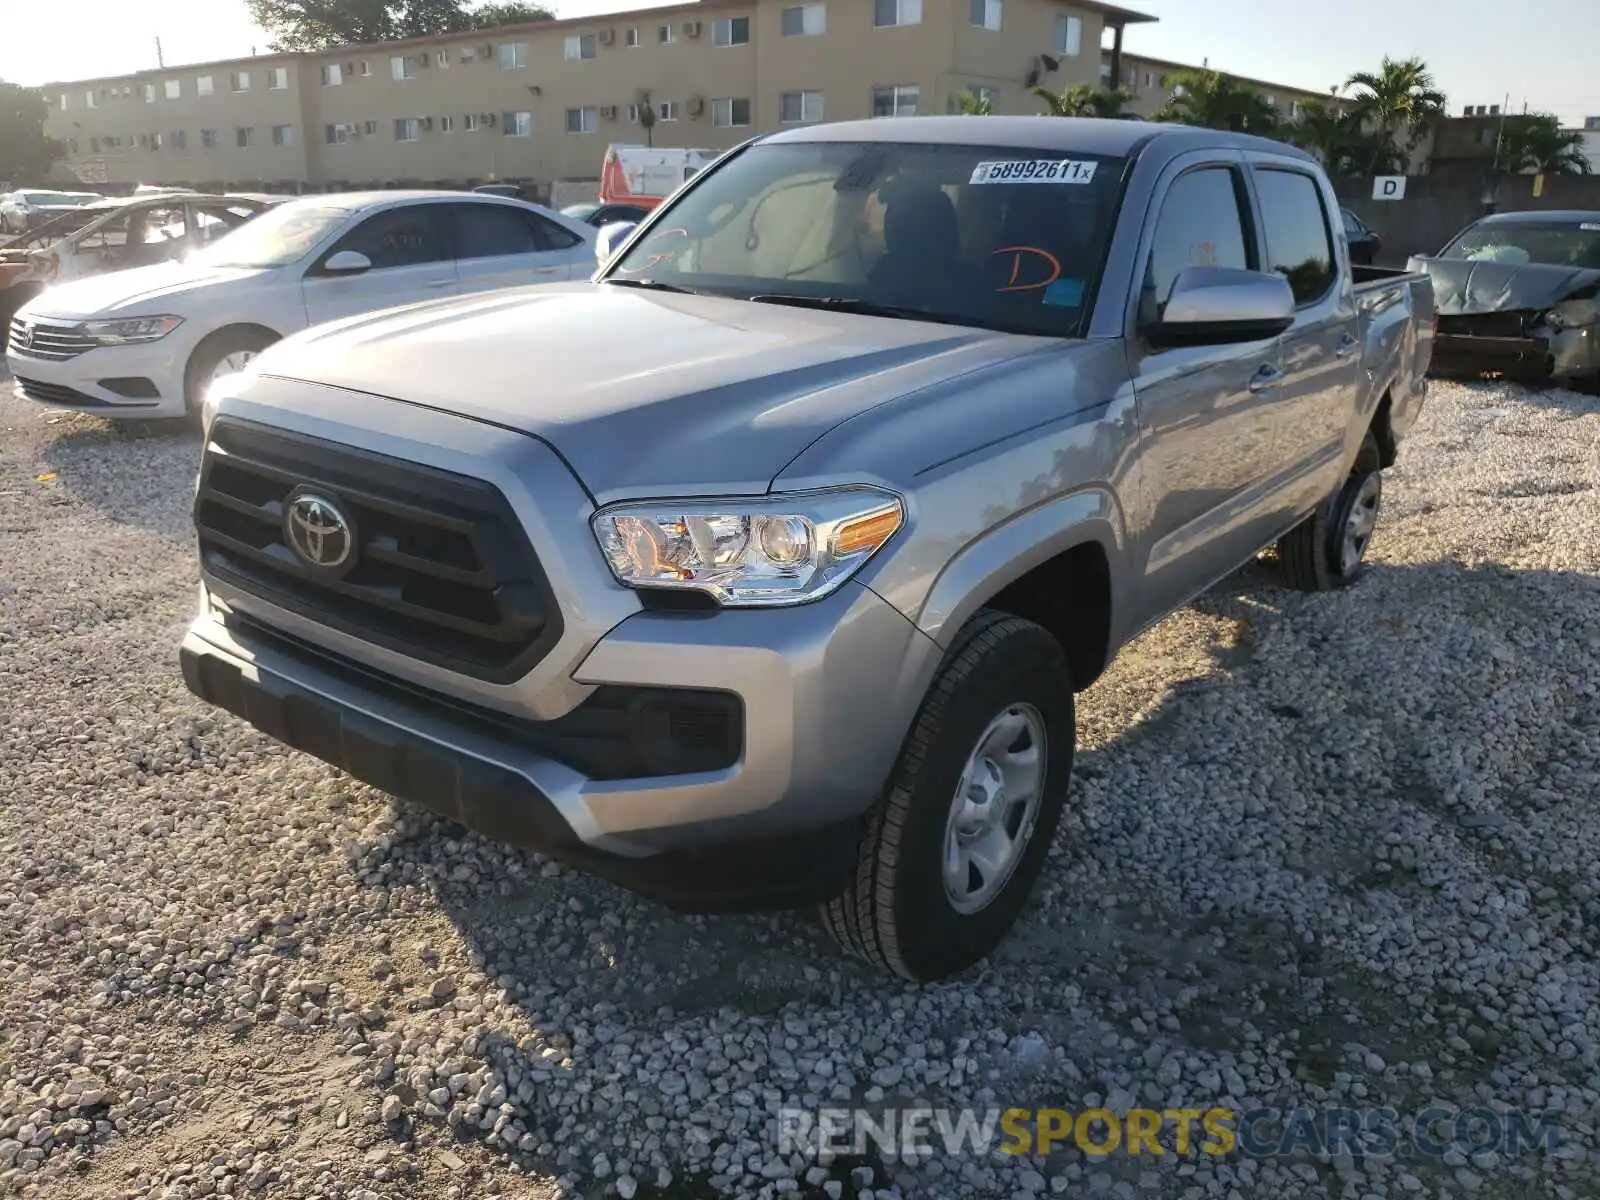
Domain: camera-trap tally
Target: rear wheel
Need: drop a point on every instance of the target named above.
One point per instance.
(223, 353)
(955, 847)
(1328, 550)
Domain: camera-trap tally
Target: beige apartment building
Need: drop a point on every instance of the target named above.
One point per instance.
(1149, 80)
(541, 102)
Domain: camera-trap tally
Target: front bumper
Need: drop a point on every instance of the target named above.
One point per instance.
(1542, 354)
(827, 693)
(99, 381)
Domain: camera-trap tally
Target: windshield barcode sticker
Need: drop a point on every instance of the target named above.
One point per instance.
(1034, 170)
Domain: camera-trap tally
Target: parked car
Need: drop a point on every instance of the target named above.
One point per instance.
(784, 595)
(23, 210)
(1364, 243)
(600, 215)
(147, 342)
(110, 235)
(1519, 294)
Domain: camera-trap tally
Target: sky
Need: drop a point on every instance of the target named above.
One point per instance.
(1540, 53)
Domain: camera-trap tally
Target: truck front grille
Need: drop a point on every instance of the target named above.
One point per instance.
(42, 339)
(440, 571)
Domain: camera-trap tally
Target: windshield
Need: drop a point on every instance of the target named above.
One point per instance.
(1007, 239)
(1552, 243)
(47, 198)
(276, 238)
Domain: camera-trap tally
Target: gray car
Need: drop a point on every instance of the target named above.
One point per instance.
(764, 568)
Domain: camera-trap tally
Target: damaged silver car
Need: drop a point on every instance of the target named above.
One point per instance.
(1518, 294)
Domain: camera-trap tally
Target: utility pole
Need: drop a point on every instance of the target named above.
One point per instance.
(160, 62)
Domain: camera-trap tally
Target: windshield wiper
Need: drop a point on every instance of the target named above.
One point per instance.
(867, 308)
(654, 285)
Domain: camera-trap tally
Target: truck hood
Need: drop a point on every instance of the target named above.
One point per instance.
(1463, 286)
(141, 291)
(642, 392)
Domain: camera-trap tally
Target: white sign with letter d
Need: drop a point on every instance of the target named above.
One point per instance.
(1389, 187)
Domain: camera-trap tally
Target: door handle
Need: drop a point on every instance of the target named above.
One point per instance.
(546, 270)
(439, 283)
(1266, 378)
(1347, 346)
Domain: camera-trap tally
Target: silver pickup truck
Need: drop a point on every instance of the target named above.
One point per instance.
(762, 569)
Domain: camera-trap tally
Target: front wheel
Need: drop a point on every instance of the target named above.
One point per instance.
(1328, 550)
(223, 353)
(953, 850)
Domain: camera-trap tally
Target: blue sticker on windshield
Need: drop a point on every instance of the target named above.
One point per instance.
(1064, 293)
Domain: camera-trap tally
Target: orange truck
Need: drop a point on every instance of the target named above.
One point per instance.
(645, 175)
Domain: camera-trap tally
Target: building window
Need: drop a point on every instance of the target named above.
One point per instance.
(278, 79)
(730, 31)
(155, 141)
(90, 100)
(208, 139)
(336, 135)
(204, 86)
(469, 123)
(332, 75)
(583, 120)
(667, 34)
(581, 45)
(283, 135)
(180, 139)
(1149, 79)
(402, 66)
(984, 95)
(896, 12)
(447, 124)
(631, 38)
(985, 14)
(442, 59)
(799, 108)
(239, 81)
(730, 113)
(517, 124)
(363, 68)
(666, 110)
(899, 101)
(1069, 35)
(407, 129)
(805, 20)
(149, 91)
(245, 136)
(370, 128)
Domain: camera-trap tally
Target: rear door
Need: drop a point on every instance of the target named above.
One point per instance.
(1321, 352)
(1205, 411)
(409, 247)
(503, 245)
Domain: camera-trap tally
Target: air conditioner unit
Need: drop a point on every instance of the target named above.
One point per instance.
(489, 119)
(691, 29)
(606, 37)
(696, 106)
(486, 52)
(427, 122)
(424, 61)
(608, 112)
(349, 69)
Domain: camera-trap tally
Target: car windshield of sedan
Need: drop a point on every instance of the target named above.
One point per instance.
(1002, 238)
(276, 238)
(1551, 243)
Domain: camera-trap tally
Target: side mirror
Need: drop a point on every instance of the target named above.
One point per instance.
(1223, 304)
(610, 237)
(347, 262)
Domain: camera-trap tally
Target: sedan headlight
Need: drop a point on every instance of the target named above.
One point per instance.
(754, 553)
(131, 331)
(1573, 314)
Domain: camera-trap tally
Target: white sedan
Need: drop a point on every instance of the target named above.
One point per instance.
(148, 342)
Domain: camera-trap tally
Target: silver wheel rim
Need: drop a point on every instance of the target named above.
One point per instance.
(995, 806)
(1358, 526)
(231, 364)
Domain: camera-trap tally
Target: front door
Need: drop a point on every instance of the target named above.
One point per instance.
(1205, 411)
(409, 248)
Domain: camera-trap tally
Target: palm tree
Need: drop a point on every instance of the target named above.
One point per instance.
(1535, 144)
(1400, 98)
(1338, 138)
(972, 104)
(1081, 100)
(647, 116)
(1217, 101)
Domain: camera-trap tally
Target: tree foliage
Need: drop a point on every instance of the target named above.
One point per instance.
(1217, 101)
(321, 24)
(25, 152)
(1399, 103)
(1082, 100)
(972, 104)
(1341, 139)
(1535, 143)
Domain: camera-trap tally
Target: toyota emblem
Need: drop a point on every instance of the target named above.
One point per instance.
(318, 531)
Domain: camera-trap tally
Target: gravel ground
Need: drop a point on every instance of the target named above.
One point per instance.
(1322, 850)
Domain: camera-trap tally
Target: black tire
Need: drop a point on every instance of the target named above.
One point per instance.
(1311, 556)
(210, 352)
(896, 912)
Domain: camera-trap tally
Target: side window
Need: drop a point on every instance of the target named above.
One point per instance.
(154, 226)
(400, 237)
(1352, 227)
(211, 221)
(1200, 225)
(551, 235)
(1299, 246)
(488, 230)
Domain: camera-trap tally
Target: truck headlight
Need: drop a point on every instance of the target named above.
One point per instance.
(131, 331)
(761, 552)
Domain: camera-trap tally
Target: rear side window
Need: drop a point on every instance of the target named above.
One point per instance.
(1299, 245)
(554, 237)
(492, 230)
(1200, 225)
(400, 237)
